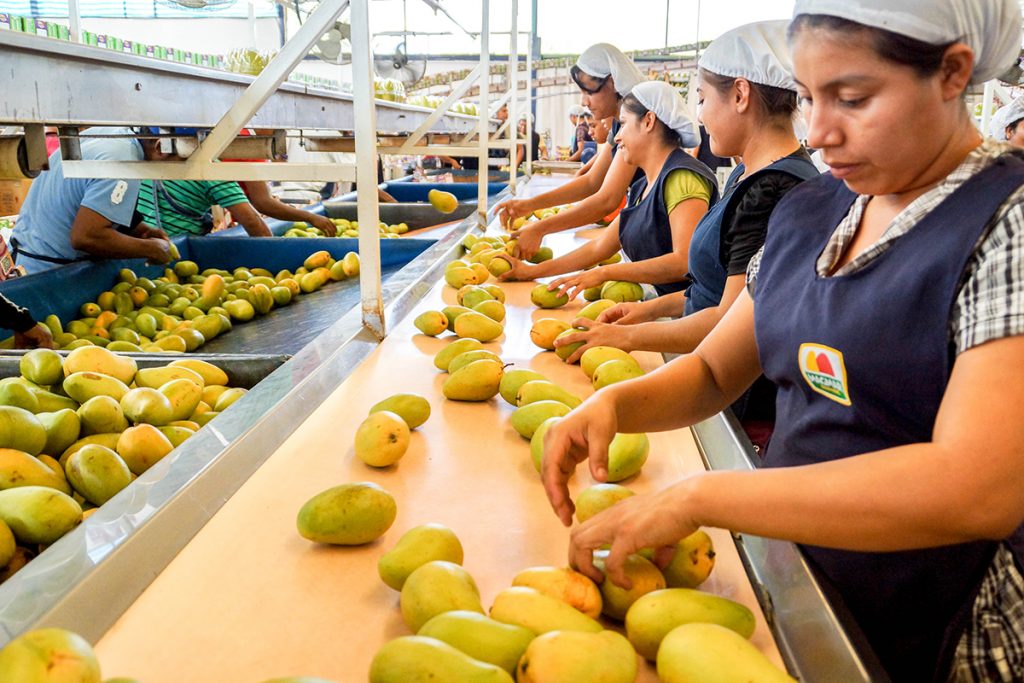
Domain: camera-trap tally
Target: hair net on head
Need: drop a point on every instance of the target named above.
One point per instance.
(526, 116)
(992, 28)
(1006, 116)
(576, 110)
(603, 60)
(757, 52)
(667, 104)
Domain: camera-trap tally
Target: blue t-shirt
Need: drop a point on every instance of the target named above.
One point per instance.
(44, 225)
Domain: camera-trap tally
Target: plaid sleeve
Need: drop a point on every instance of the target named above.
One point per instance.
(990, 304)
(226, 194)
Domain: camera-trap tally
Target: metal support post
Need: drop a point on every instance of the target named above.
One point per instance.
(513, 88)
(74, 21)
(456, 93)
(529, 108)
(368, 210)
(483, 171)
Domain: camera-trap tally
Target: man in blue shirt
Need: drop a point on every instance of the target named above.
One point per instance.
(72, 219)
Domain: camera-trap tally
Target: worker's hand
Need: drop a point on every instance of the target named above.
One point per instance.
(456, 166)
(521, 270)
(592, 334)
(324, 224)
(511, 209)
(37, 337)
(583, 434)
(573, 285)
(629, 313)
(528, 240)
(655, 520)
(144, 232)
(383, 196)
(158, 250)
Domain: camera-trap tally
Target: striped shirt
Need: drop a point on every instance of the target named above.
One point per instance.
(195, 196)
(989, 306)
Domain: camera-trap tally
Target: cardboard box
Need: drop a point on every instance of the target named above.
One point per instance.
(12, 195)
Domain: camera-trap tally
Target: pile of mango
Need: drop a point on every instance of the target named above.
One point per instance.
(538, 215)
(346, 228)
(185, 308)
(75, 431)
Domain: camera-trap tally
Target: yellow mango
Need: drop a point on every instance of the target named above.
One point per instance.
(98, 359)
(208, 372)
(412, 408)
(710, 653)
(692, 561)
(62, 429)
(42, 367)
(528, 418)
(477, 326)
(154, 378)
(350, 264)
(38, 514)
(177, 435)
(49, 655)
(468, 357)
(572, 656)
(453, 349)
(18, 468)
(21, 430)
(82, 386)
(655, 614)
(565, 584)
(382, 439)
(142, 446)
(316, 260)
(108, 440)
(478, 381)
(566, 350)
(595, 308)
(542, 297)
(415, 548)
(482, 638)
(97, 473)
(599, 498)
(613, 371)
(512, 380)
(184, 395)
(643, 575)
(437, 587)
(227, 398)
(620, 292)
(543, 390)
(101, 415)
(627, 454)
(349, 514)
(418, 659)
(213, 287)
(145, 405)
(540, 613)
(431, 323)
(445, 202)
(544, 331)
(593, 357)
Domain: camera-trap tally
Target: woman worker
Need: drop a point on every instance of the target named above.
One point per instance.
(663, 208)
(1007, 123)
(888, 307)
(748, 100)
(605, 76)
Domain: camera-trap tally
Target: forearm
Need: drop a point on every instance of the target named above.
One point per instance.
(577, 259)
(664, 269)
(108, 243)
(246, 215)
(575, 190)
(275, 208)
(673, 336)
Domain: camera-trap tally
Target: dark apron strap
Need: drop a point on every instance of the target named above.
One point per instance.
(16, 249)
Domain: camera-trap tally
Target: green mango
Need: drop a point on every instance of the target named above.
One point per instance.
(415, 548)
(412, 408)
(417, 659)
(480, 637)
(475, 296)
(452, 313)
(543, 254)
(464, 359)
(21, 430)
(50, 402)
(49, 655)
(445, 355)
(434, 588)
(644, 578)
(175, 434)
(349, 514)
(595, 356)
(529, 608)
(512, 380)
(613, 371)
(595, 308)
(627, 454)
(543, 390)
(477, 381)
(537, 443)
(38, 514)
(18, 396)
(8, 546)
(97, 473)
(713, 654)
(654, 615)
(570, 656)
(620, 292)
(526, 419)
(42, 366)
(495, 310)
(101, 415)
(474, 325)
(542, 297)
(62, 429)
(108, 440)
(599, 498)
(592, 293)
(567, 350)
(431, 323)
(146, 405)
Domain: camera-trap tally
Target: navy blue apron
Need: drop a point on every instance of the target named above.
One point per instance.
(644, 228)
(707, 273)
(861, 362)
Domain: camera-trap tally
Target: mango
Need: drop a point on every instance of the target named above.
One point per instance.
(528, 418)
(97, 473)
(177, 435)
(207, 326)
(592, 293)
(512, 380)
(418, 659)
(263, 300)
(213, 287)
(537, 443)
(471, 295)
(620, 292)
(100, 415)
(495, 310)
(228, 398)
(451, 313)
(643, 575)
(431, 323)
(108, 440)
(240, 310)
(595, 356)
(184, 395)
(21, 430)
(412, 408)
(481, 272)
(445, 202)
(18, 468)
(49, 655)
(437, 587)
(474, 325)
(627, 454)
(53, 322)
(542, 297)
(42, 367)
(574, 657)
(38, 514)
(123, 346)
(613, 371)
(211, 394)
(209, 373)
(538, 612)
(480, 637)
(349, 514)
(453, 349)
(286, 679)
(468, 357)
(382, 439)
(415, 548)
(711, 653)
(595, 308)
(478, 381)
(18, 395)
(543, 390)
(498, 266)
(460, 277)
(497, 292)
(567, 350)
(154, 378)
(142, 446)
(350, 264)
(146, 325)
(543, 332)
(82, 386)
(62, 429)
(95, 359)
(8, 546)
(692, 561)
(145, 405)
(565, 584)
(542, 254)
(655, 614)
(599, 498)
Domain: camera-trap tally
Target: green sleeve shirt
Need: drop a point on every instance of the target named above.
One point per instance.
(193, 199)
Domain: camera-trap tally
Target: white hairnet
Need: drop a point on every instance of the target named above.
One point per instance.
(667, 104)
(1007, 115)
(757, 52)
(992, 28)
(576, 110)
(603, 60)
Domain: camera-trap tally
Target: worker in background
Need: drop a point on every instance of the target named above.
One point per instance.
(663, 209)
(27, 332)
(575, 113)
(887, 306)
(473, 163)
(605, 76)
(1006, 123)
(65, 220)
(534, 141)
(182, 207)
(584, 138)
(598, 130)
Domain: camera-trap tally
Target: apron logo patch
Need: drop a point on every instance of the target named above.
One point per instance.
(825, 372)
